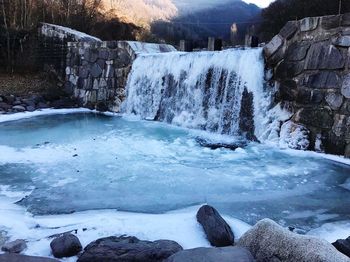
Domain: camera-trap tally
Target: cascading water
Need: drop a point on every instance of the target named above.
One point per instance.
(201, 90)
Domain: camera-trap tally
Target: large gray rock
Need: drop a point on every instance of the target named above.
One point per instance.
(287, 70)
(273, 46)
(16, 246)
(289, 29)
(121, 249)
(215, 227)
(19, 108)
(334, 100)
(67, 245)
(96, 71)
(343, 41)
(22, 258)
(221, 254)
(343, 245)
(322, 55)
(315, 117)
(268, 241)
(297, 51)
(345, 89)
(308, 24)
(330, 22)
(324, 80)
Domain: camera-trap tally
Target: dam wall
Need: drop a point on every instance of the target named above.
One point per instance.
(310, 64)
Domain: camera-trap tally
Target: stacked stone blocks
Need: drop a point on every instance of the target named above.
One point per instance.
(96, 73)
(310, 60)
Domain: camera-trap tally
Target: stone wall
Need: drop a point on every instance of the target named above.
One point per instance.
(310, 60)
(97, 72)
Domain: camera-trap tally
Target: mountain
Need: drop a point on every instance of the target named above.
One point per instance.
(199, 22)
(172, 20)
(141, 12)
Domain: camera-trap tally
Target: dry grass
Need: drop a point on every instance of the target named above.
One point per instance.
(23, 84)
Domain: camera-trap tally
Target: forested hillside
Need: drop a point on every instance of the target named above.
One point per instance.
(19, 20)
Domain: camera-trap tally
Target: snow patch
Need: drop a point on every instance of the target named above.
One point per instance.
(62, 32)
(294, 136)
(43, 112)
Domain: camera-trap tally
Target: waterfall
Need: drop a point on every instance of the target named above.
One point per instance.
(201, 90)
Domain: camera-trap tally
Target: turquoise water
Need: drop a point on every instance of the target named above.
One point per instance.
(79, 162)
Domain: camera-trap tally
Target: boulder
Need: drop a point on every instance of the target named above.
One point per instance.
(221, 254)
(297, 51)
(19, 108)
(267, 241)
(287, 70)
(16, 246)
(323, 80)
(288, 90)
(91, 55)
(343, 246)
(330, 22)
(315, 117)
(334, 100)
(322, 55)
(128, 249)
(96, 71)
(67, 245)
(22, 258)
(5, 106)
(218, 232)
(345, 88)
(308, 24)
(343, 41)
(30, 108)
(273, 46)
(215, 145)
(84, 71)
(345, 21)
(289, 30)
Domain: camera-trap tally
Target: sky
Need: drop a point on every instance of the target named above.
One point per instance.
(209, 3)
(260, 3)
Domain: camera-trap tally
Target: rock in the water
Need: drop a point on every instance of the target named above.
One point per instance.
(218, 232)
(16, 246)
(343, 245)
(66, 245)
(220, 254)
(22, 258)
(268, 241)
(215, 145)
(128, 249)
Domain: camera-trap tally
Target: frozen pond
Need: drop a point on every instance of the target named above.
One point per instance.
(79, 162)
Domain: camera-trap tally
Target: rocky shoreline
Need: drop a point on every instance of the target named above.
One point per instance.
(10, 104)
(266, 241)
